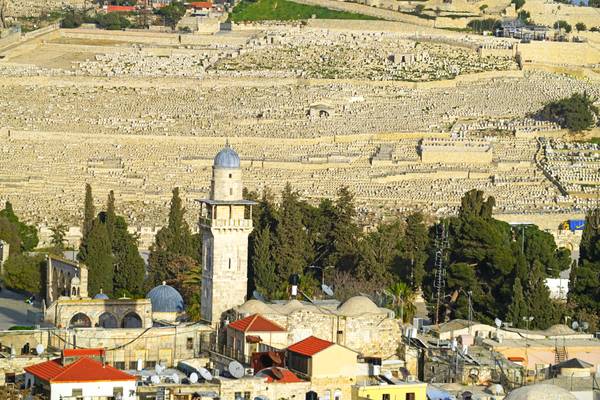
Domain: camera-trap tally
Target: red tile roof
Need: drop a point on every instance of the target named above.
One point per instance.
(278, 375)
(310, 346)
(255, 323)
(201, 4)
(82, 352)
(120, 8)
(83, 370)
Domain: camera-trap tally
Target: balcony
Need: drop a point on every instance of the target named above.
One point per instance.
(226, 223)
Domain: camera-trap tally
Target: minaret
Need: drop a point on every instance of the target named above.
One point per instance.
(225, 223)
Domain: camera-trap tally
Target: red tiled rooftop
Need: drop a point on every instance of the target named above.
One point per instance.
(83, 352)
(285, 375)
(120, 8)
(201, 4)
(310, 346)
(255, 323)
(83, 370)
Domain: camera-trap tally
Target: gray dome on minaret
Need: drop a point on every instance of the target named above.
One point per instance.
(227, 158)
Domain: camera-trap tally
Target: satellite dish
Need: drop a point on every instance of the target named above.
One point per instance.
(205, 374)
(327, 290)
(256, 294)
(139, 364)
(277, 373)
(498, 322)
(155, 379)
(39, 349)
(175, 378)
(159, 369)
(236, 369)
(261, 398)
(193, 377)
(575, 325)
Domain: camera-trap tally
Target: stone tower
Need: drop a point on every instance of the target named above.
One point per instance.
(225, 223)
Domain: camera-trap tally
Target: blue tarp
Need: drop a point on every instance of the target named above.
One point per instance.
(434, 393)
(576, 224)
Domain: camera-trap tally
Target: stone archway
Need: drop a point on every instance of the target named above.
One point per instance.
(107, 321)
(131, 320)
(80, 320)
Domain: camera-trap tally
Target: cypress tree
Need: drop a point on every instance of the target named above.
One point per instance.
(538, 298)
(128, 264)
(414, 247)
(110, 216)
(518, 307)
(99, 259)
(89, 212)
(265, 278)
(345, 232)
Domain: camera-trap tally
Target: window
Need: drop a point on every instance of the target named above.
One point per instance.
(189, 343)
(231, 191)
(230, 263)
(120, 364)
(246, 395)
(150, 364)
(237, 395)
(385, 396)
(133, 365)
(117, 391)
(410, 396)
(230, 176)
(337, 395)
(327, 395)
(77, 393)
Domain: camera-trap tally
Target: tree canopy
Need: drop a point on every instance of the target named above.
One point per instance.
(576, 113)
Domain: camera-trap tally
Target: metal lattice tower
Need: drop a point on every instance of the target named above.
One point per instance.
(441, 244)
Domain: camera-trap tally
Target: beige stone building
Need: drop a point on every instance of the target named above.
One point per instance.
(225, 223)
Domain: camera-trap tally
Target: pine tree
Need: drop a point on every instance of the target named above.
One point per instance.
(518, 307)
(27, 233)
(58, 239)
(265, 277)
(99, 260)
(345, 232)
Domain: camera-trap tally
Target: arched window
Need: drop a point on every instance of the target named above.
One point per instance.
(108, 321)
(131, 320)
(80, 320)
(327, 395)
(337, 395)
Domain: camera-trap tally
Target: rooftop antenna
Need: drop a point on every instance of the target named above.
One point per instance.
(439, 283)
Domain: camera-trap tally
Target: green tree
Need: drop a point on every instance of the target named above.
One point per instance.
(380, 253)
(576, 113)
(539, 303)
(25, 273)
(10, 234)
(129, 268)
(518, 3)
(403, 301)
(344, 231)
(99, 259)
(27, 233)
(265, 276)
(171, 241)
(414, 248)
(110, 215)
(580, 26)
(292, 249)
(518, 307)
(172, 13)
(58, 239)
(419, 8)
(562, 24)
(89, 212)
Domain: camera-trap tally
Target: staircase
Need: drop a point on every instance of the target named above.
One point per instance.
(560, 354)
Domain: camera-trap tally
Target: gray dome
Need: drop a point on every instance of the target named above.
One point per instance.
(227, 158)
(165, 298)
(100, 296)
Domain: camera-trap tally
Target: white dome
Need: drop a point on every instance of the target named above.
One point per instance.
(254, 306)
(358, 305)
(540, 392)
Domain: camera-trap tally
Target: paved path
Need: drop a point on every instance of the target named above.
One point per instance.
(13, 309)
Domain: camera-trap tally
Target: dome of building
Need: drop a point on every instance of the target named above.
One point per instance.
(358, 305)
(75, 281)
(254, 306)
(227, 158)
(100, 296)
(540, 391)
(165, 298)
(291, 306)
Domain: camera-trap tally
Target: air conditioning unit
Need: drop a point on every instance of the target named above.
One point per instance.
(249, 371)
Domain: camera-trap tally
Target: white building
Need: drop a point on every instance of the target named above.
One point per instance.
(79, 374)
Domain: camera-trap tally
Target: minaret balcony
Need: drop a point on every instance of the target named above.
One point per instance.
(226, 223)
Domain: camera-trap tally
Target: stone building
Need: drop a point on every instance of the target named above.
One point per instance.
(65, 278)
(357, 323)
(225, 223)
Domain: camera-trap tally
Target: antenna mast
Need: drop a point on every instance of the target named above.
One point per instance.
(441, 244)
